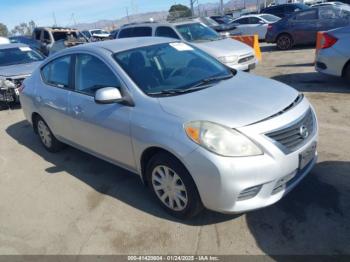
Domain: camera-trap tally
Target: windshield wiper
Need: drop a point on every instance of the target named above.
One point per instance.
(198, 86)
(209, 80)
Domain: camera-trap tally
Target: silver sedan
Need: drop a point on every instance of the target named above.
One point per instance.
(198, 133)
(333, 57)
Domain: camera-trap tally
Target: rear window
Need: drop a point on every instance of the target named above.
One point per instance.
(135, 32)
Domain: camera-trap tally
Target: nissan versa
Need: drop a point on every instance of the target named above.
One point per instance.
(198, 133)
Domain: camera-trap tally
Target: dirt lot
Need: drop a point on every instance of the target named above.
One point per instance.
(73, 203)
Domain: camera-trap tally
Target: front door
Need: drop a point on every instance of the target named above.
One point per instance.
(103, 129)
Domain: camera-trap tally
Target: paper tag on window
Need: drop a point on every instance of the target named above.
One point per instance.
(181, 46)
(25, 49)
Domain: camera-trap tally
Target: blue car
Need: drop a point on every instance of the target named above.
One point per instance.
(301, 27)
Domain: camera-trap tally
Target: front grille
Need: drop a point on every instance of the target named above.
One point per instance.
(245, 59)
(295, 135)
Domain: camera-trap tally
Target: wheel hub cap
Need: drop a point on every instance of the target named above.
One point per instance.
(169, 188)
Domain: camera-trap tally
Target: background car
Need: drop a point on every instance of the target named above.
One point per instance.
(47, 38)
(284, 10)
(333, 57)
(232, 53)
(17, 61)
(223, 29)
(254, 24)
(114, 33)
(27, 40)
(302, 27)
(97, 34)
(339, 4)
(225, 19)
(4, 40)
(196, 132)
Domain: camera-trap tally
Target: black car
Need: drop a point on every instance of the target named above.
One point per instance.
(284, 10)
(302, 27)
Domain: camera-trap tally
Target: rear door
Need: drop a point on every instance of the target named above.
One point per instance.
(102, 129)
(53, 93)
(304, 26)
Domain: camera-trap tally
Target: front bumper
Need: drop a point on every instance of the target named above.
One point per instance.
(246, 66)
(221, 180)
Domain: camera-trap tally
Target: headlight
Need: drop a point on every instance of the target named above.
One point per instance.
(220, 139)
(228, 59)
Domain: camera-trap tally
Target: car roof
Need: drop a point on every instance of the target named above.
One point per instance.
(153, 24)
(123, 44)
(14, 45)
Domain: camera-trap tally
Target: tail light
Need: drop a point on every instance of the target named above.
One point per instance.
(21, 88)
(269, 27)
(327, 41)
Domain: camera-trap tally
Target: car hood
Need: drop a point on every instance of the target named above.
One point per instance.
(18, 70)
(242, 100)
(224, 47)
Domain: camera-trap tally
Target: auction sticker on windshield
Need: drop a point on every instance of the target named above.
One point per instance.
(181, 46)
(25, 49)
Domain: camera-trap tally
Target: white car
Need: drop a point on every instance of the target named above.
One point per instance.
(4, 40)
(254, 24)
(338, 4)
(96, 33)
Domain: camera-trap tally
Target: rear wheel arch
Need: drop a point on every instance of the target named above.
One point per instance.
(345, 68)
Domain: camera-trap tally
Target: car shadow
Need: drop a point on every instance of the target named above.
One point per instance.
(296, 65)
(264, 47)
(104, 177)
(312, 219)
(314, 82)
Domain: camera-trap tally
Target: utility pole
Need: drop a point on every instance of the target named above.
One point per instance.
(222, 7)
(54, 19)
(192, 2)
(127, 14)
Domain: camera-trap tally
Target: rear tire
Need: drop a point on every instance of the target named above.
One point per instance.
(48, 140)
(284, 42)
(172, 185)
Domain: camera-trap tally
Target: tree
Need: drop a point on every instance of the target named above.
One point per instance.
(3, 30)
(179, 11)
(24, 28)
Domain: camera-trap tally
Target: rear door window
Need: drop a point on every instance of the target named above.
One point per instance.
(306, 15)
(242, 21)
(56, 73)
(166, 31)
(135, 32)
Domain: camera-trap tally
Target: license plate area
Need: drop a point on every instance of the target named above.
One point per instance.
(307, 155)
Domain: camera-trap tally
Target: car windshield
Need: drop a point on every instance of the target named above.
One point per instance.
(270, 18)
(171, 68)
(18, 55)
(196, 32)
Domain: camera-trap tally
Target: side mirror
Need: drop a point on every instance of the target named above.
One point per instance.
(108, 95)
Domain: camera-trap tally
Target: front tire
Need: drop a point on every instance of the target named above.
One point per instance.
(48, 140)
(173, 187)
(284, 42)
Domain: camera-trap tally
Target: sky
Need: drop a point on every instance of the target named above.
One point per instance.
(13, 12)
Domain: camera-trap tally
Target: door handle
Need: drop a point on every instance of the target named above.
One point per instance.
(77, 110)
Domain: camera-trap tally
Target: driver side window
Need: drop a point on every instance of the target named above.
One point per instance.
(92, 74)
